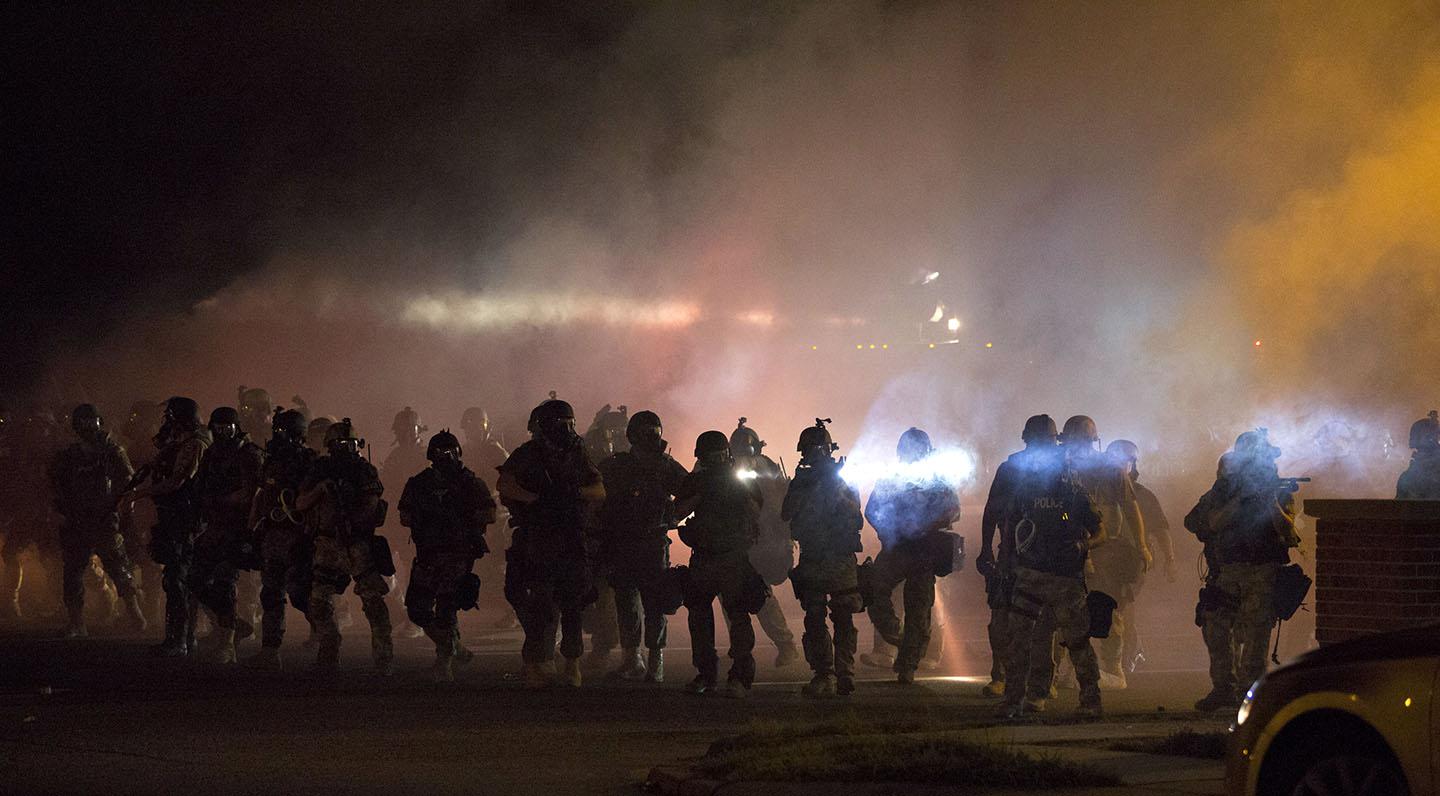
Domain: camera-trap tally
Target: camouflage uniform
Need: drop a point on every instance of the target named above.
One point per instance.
(1054, 523)
(1421, 480)
(547, 574)
(635, 519)
(86, 479)
(343, 525)
(825, 519)
(177, 520)
(1247, 528)
(227, 479)
(721, 533)
(285, 549)
(447, 513)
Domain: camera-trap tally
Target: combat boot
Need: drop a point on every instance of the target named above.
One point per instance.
(136, 613)
(844, 685)
(632, 666)
(1089, 708)
(223, 652)
(444, 670)
(700, 685)
(572, 672)
(995, 688)
(172, 647)
(1217, 699)
(734, 689)
(268, 658)
(820, 686)
(905, 677)
(1112, 681)
(384, 665)
(655, 668)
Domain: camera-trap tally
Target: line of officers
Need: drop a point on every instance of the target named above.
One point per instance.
(1075, 538)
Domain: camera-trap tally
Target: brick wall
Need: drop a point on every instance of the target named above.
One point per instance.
(1377, 566)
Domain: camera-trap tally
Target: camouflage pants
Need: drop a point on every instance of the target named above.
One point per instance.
(723, 575)
(77, 545)
(1042, 601)
(285, 571)
(829, 584)
(1116, 574)
(551, 598)
(213, 572)
(913, 570)
(1237, 632)
(432, 598)
(336, 564)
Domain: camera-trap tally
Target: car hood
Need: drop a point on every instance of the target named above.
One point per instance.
(1414, 642)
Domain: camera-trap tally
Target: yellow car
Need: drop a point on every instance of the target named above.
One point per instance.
(1351, 718)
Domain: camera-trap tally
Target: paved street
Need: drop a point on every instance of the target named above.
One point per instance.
(101, 715)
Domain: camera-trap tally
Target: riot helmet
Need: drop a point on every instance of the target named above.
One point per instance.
(816, 438)
(475, 422)
(1079, 432)
(1256, 445)
(744, 440)
(224, 423)
(1126, 454)
(554, 422)
(317, 431)
(86, 421)
(340, 438)
(444, 450)
(180, 409)
(289, 425)
(645, 431)
(406, 426)
(1039, 430)
(255, 408)
(1425, 433)
(914, 445)
(712, 447)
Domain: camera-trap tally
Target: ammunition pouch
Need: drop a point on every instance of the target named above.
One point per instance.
(1102, 613)
(1292, 585)
(848, 601)
(382, 510)
(999, 586)
(671, 589)
(865, 582)
(1212, 598)
(380, 556)
(467, 592)
(946, 551)
(247, 556)
(755, 594)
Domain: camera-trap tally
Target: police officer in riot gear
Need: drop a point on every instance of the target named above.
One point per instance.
(227, 479)
(905, 509)
(1126, 454)
(638, 512)
(1054, 525)
(486, 451)
(550, 488)
(255, 409)
(1246, 522)
(86, 479)
(720, 533)
(604, 438)
(1421, 480)
(279, 532)
(998, 567)
(774, 552)
(447, 508)
(1115, 569)
(182, 441)
(341, 499)
(824, 515)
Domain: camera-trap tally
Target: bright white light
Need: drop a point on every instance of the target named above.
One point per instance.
(939, 314)
(757, 318)
(931, 277)
(953, 324)
(952, 466)
(746, 475)
(469, 312)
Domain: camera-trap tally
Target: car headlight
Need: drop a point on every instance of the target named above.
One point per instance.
(1243, 713)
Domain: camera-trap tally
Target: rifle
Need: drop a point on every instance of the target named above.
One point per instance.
(1291, 485)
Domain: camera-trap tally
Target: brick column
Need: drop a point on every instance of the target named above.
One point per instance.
(1377, 566)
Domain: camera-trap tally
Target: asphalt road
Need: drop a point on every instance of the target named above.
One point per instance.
(101, 715)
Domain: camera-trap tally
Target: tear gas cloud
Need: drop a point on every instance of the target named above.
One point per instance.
(716, 211)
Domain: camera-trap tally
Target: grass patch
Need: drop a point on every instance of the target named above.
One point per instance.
(851, 751)
(1181, 743)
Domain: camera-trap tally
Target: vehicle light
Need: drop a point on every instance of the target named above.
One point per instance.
(746, 475)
